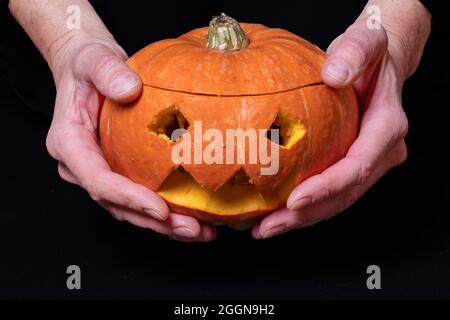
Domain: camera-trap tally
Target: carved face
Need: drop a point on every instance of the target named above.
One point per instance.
(273, 83)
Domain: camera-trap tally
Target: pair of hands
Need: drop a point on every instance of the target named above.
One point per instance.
(89, 68)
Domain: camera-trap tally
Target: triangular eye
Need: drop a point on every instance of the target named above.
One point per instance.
(277, 138)
(286, 130)
(169, 124)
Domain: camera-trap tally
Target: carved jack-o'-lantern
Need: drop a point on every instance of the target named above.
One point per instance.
(230, 76)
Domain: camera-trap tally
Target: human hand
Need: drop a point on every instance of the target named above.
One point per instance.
(85, 70)
(88, 64)
(371, 60)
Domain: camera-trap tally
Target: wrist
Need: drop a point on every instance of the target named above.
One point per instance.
(407, 24)
(53, 29)
(63, 56)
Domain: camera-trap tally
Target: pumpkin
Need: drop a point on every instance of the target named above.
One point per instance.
(228, 76)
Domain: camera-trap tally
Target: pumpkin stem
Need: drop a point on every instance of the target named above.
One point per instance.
(225, 34)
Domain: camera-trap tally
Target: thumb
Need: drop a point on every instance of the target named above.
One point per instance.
(357, 50)
(106, 69)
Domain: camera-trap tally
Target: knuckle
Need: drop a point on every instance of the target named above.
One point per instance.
(120, 197)
(100, 190)
(87, 184)
(303, 220)
(105, 63)
(327, 192)
(117, 214)
(398, 126)
(363, 174)
(356, 48)
(402, 154)
(61, 172)
(361, 42)
(402, 157)
(101, 55)
(94, 196)
(330, 192)
(403, 126)
(91, 186)
(126, 201)
(51, 144)
(394, 121)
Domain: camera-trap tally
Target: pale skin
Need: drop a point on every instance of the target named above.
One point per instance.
(88, 64)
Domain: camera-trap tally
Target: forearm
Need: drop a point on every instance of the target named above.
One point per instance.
(408, 25)
(45, 22)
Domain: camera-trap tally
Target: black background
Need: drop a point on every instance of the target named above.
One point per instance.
(401, 224)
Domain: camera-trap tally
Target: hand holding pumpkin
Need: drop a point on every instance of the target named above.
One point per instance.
(88, 64)
(72, 140)
(377, 63)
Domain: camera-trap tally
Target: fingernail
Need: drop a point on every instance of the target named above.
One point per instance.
(124, 82)
(337, 69)
(184, 232)
(300, 203)
(154, 214)
(273, 231)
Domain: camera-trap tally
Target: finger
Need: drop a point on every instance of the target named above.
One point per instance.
(189, 227)
(65, 174)
(276, 223)
(255, 231)
(84, 158)
(76, 144)
(184, 226)
(143, 221)
(109, 73)
(208, 232)
(284, 219)
(380, 129)
(333, 44)
(358, 49)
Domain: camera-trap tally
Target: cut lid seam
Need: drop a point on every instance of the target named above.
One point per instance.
(233, 95)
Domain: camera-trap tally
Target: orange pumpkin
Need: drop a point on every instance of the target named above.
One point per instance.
(228, 76)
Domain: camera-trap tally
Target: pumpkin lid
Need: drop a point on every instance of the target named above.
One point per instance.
(256, 60)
